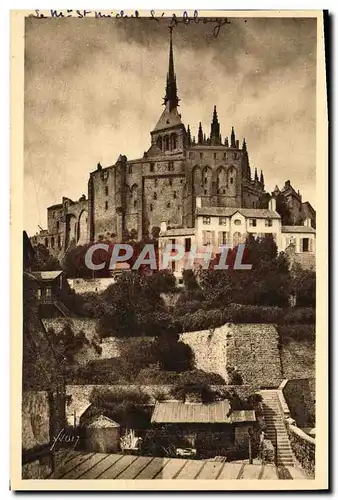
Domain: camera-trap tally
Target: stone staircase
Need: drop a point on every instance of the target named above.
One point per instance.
(275, 428)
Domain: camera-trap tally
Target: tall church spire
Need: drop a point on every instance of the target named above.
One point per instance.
(214, 134)
(171, 96)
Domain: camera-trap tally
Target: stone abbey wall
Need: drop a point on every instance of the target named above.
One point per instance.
(251, 348)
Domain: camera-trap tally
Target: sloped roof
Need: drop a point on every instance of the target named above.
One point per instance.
(168, 119)
(214, 413)
(256, 213)
(180, 231)
(298, 229)
(46, 275)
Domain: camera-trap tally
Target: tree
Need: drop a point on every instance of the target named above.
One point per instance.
(133, 307)
(43, 260)
(284, 210)
(304, 286)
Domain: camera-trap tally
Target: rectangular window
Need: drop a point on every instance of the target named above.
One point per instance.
(106, 205)
(39, 293)
(222, 221)
(187, 244)
(215, 156)
(206, 220)
(268, 222)
(106, 190)
(253, 222)
(152, 167)
(48, 292)
(305, 244)
(105, 175)
(222, 238)
(57, 225)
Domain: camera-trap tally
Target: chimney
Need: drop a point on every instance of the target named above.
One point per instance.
(163, 227)
(307, 222)
(198, 202)
(272, 204)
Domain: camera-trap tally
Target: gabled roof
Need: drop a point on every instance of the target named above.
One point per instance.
(168, 119)
(298, 229)
(256, 213)
(214, 413)
(46, 275)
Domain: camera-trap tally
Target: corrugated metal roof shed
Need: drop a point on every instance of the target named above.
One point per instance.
(214, 413)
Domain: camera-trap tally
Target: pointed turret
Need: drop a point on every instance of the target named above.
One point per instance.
(244, 145)
(171, 96)
(262, 178)
(256, 175)
(233, 138)
(188, 136)
(204, 139)
(200, 134)
(214, 133)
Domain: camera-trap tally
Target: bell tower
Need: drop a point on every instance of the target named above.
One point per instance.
(169, 135)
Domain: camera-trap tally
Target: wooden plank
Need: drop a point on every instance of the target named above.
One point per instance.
(153, 468)
(64, 455)
(171, 468)
(135, 468)
(71, 464)
(117, 467)
(251, 471)
(269, 472)
(191, 469)
(84, 466)
(210, 470)
(100, 467)
(230, 471)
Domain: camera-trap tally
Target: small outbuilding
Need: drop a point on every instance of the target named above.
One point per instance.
(102, 435)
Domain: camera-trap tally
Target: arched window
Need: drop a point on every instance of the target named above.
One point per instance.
(166, 143)
(52, 241)
(46, 242)
(173, 141)
(59, 241)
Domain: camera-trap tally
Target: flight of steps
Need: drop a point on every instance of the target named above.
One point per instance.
(275, 428)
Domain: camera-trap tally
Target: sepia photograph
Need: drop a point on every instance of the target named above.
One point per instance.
(173, 182)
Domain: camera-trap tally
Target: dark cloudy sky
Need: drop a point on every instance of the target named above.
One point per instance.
(94, 88)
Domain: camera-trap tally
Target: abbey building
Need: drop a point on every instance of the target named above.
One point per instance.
(132, 198)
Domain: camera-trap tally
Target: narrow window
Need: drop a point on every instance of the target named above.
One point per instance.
(201, 156)
(152, 166)
(46, 242)
(59, 241)
(175, 195)
(106, 205)
(151, 207)
(305, 244)
(57, 225)
(52, 241)
(231, 180)
(187, 244)
(155, 196)
(106, 190)
(215, 156)
(170, 182)
(135, 203)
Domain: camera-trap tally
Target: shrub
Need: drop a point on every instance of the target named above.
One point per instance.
(300, 333)
(234, 377)
(268, 452)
